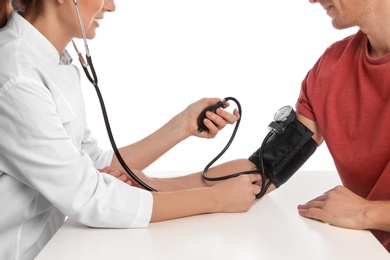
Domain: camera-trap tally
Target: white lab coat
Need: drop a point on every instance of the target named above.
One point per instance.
(48, 157)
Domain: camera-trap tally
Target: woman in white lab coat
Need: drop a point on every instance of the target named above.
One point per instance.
(49, 159)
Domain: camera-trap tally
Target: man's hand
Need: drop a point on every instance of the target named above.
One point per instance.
(339, 207)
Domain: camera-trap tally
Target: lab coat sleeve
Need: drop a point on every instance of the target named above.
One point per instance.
(37, 151)
(100, 157)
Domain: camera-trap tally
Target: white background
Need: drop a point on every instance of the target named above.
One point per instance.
(154, 57)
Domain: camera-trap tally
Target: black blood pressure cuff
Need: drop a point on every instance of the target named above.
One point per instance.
(285, 153)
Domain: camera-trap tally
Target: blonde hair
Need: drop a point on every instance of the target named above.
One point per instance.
(5, 9)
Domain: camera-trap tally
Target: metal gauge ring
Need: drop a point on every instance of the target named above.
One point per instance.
(283, 113)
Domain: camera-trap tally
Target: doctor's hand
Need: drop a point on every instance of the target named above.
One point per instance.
(237, 194)
(213, 121)
(119, 174)
(338, 207)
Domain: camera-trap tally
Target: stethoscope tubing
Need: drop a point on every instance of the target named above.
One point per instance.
(94, 80)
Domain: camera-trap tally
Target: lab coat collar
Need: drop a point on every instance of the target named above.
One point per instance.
(23, 28)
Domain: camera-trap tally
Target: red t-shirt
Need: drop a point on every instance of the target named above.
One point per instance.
(348, 94)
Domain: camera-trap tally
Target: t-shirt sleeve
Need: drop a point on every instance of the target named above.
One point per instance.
(303, 105)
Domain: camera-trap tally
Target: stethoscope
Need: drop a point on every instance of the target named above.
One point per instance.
(94, 80)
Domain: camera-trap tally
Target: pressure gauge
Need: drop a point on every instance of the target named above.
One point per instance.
(285, 116)
(283, 113)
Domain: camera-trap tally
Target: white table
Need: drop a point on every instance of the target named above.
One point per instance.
(271, 229)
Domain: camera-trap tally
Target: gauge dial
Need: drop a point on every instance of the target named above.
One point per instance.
(283, 113)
